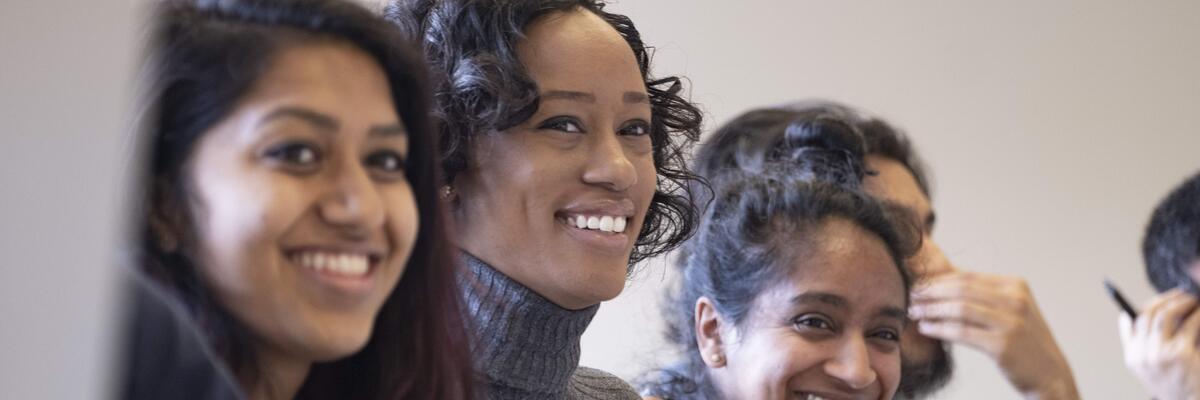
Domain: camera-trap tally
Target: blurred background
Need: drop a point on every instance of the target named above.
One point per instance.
(1051, 130)
(66, 71)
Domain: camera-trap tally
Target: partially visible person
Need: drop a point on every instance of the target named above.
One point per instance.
(1162, 346)
(794, 286)
(992, 313)
(289, 200)
(565, 166)
(165, 355)
(995, 314)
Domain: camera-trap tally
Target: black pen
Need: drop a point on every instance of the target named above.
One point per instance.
(1117, 297)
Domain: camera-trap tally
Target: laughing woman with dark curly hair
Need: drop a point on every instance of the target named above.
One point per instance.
(564, 166)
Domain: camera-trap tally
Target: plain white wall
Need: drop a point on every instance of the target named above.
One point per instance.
(1052, 129)
(64, 85)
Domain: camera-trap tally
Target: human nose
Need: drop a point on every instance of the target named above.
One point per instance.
(352, 200)
(609, 165)
(852, 365)
(930, 261)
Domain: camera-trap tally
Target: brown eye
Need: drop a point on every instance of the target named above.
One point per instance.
(563, 124)
(887, 334)
(812, 321)
(387, 162)
(636, 128)
(295, 154)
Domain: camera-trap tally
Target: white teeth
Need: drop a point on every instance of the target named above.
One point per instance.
(341, 263)
(813, 397)
(606, 223)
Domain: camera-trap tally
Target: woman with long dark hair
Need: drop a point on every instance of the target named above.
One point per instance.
(289, 191)
(564, 166)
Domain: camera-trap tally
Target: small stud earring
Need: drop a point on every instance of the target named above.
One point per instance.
(717, 359)
(447, 192)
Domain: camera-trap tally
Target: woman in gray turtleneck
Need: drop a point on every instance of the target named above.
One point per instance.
(564, 165)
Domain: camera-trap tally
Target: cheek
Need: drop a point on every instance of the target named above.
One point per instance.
(404, 221)
(240, 223)
(506, 175)
(771, 359)
(887, 368)
(647, 176)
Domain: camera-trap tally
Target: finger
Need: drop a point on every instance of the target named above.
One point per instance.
(962, 286)
(1171, 314)
(1143, 325)
(965, 311)
(959, 332)
(1189, 330)
(1125, 328)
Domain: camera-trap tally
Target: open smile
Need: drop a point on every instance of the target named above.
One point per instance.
(346, 273)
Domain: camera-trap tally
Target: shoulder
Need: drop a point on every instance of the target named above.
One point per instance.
(591, 383)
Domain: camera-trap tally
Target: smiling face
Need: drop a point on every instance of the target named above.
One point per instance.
(556, 202)
(303, 217)
(829, 330)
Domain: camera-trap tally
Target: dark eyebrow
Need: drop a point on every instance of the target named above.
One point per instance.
(388, 130)
(321, 121)
(893, 313)
(821, 297)
(636, 97)
(569, 95)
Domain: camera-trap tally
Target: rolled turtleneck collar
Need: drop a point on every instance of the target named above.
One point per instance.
(524, 342)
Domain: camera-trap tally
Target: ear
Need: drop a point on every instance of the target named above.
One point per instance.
(708, 325)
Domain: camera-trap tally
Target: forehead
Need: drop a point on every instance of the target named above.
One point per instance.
(577, 48)
(895, 183)
(847, 261)
(328, 76)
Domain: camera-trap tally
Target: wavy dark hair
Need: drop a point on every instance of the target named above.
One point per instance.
(204, 56)
(1172, 241)
(882, 138)
(777, 175)
(481, 88)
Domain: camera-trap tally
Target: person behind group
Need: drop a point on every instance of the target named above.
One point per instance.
(289, 182)
(995, 314)
(795, 283)
(1162, 346)
(564, 167)
(1001, 317)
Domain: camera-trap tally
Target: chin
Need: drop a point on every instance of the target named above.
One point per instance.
(600, 282)
(338, 345)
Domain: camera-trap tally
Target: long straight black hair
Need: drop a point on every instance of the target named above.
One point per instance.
(203, 57)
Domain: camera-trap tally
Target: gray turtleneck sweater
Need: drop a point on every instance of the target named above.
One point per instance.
(527, 347)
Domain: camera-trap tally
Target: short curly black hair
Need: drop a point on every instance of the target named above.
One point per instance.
(1172, 241)
(481, 87)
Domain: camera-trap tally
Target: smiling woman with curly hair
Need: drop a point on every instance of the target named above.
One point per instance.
(565, 166)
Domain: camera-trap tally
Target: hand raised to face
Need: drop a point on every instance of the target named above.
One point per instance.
(1162, 347)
